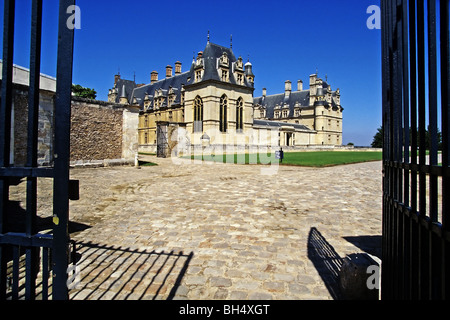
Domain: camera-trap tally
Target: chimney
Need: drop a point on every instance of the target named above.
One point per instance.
(312, 80)
(154, 77)
(287, 87)
(264, 92)
(168, 71)
(123, 97)
(116, 78)
(300, 85)
(177, 67)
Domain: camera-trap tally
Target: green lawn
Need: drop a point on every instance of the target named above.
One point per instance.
(330, 158)
(146, 164)
(308, 159)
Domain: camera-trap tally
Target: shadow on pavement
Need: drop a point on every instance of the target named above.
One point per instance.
(117, 273)
(326, 260)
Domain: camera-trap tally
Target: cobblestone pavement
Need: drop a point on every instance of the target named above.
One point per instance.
(220, 231)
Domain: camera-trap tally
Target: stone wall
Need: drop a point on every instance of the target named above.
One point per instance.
(96, 132)
(19, 125)
(102, 133)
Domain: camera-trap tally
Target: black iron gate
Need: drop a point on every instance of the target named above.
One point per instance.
(47, 253)
(162, 142)
(416, 220)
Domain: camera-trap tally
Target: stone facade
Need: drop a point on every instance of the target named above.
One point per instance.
(213, 102)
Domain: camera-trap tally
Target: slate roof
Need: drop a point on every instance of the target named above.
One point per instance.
(174, 82)
(129, 87)
(210, 56)
(270, 102)
(295, 99)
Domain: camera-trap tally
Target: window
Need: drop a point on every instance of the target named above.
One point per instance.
(240, 115)
(277, 114)
(240, 78)
(198, 75)
(285, 113)
(223, 114)
(224, 75)
(262, 114)
(297, 113)
(198, 114)
(146, 121)
(146, 138)
(171, 100)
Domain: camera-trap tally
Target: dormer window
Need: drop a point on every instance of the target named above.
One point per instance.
(277, 114)
(240, 78)
(198, 75)
(199, 62)
(224, 61)
(239, 65)
(171, 100)
(297, 112)
(199, 69)
(224, 75)
(285, 113)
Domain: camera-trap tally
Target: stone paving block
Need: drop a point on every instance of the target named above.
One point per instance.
(260, 296)
(220, 282)
(274, 286)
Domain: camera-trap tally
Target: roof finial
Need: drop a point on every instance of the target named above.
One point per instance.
(231, 41)
(208, 36)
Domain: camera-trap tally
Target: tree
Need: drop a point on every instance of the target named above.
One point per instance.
(83, 92)
(378, 138)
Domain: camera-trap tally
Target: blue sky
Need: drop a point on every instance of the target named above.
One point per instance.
(285, 40)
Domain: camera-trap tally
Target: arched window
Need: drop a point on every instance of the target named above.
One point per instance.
(240, 115)
(198, 114)
(223, 114)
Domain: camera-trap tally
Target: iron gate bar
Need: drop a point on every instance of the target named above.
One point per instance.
(62, 151)
(5, 125)
(32, 254)
(26, 172)
(445, 101)
(406, 157)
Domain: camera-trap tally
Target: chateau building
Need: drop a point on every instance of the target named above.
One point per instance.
(213, 104)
